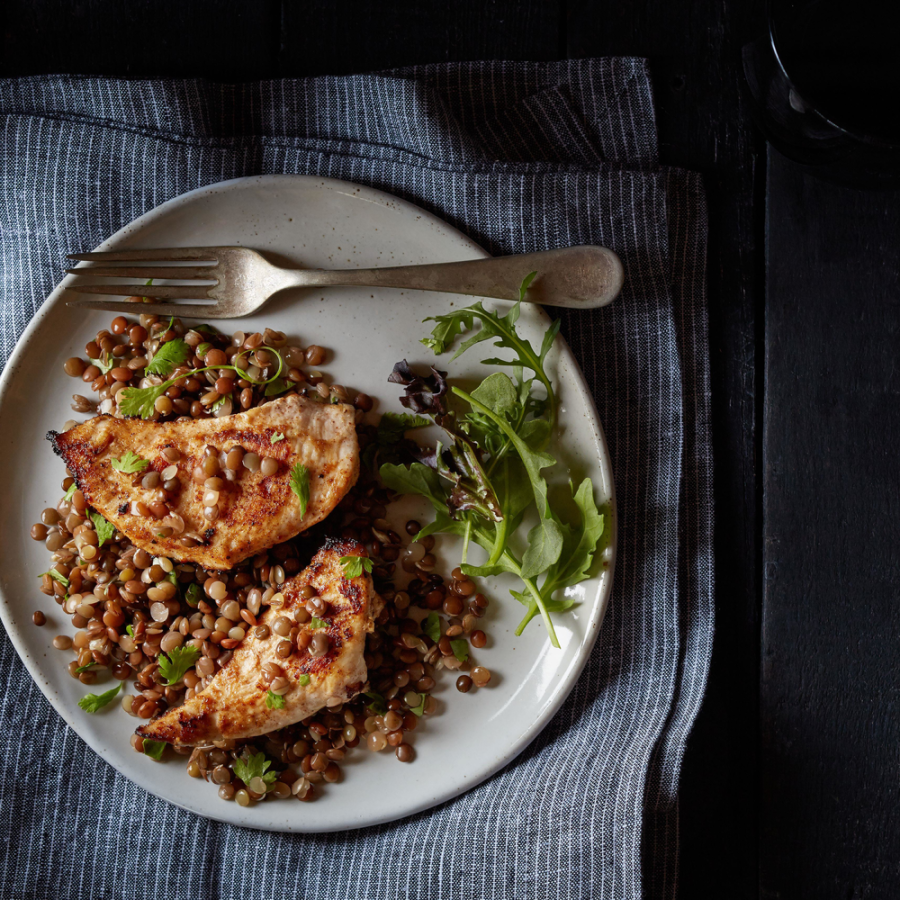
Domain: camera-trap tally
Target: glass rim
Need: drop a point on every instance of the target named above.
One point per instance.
(861, 136)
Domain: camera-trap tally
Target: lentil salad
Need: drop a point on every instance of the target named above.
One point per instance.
(134, 613)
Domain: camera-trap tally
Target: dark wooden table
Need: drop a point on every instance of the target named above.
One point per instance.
(792, 775)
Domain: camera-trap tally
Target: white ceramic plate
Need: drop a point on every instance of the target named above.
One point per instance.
(319, 223)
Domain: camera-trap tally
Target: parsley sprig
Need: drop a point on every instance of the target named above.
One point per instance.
(179, 660)
(130, 463)
(274, 701)
(168, 357)
(254, 766)
(105, 530)
(354, 565)
(104, 365)
(491, 471)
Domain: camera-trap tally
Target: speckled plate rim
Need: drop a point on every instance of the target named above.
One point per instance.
(568, 369)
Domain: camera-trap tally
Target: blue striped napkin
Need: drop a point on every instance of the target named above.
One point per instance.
(521, 157)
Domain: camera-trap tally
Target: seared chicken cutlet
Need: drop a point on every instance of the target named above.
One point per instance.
(215, 523)
(329, 665)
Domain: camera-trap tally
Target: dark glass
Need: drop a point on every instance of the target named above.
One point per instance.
(825, 83)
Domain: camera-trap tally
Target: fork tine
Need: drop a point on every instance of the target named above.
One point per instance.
(196, 253)
(176, 273)
(156, 292)
(182, 310)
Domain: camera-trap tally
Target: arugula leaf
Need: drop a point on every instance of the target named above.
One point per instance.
(276, 437)
(393, 426)
(526, 283)
(376, 702)
(168, 357)
(154, 749)
(513, 488)
(56, 577)
(274, 701)
(317, 623)
(550, 606)
(300, 485)
(545, 540)
(460, 649)
(443, 524)
(500, 328)
(179, 660)
(420, 709)
(415, 479)
(491, 473)
(105, 530)
(545, 543)
(70, 493)
(255, 766)
(81, 669)
(93, 702)
(432, 626)
(303, 679)
(130, 463)
(354, 565)
(193, 595)
(498, 394)
(533, 460)
(579, 544)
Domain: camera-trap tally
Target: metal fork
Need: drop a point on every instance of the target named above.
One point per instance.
(580, 277)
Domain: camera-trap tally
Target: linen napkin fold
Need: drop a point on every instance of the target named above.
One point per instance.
(520, 157)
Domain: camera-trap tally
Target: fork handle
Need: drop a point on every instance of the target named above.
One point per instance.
(579, 277)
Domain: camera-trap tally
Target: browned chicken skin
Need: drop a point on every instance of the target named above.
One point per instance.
(233, 704)
(256, 511)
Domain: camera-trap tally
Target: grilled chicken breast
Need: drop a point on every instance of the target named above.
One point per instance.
(233, 703)
(255, 510)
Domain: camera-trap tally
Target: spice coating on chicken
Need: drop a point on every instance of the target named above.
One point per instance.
(254, 510)
(233, 705)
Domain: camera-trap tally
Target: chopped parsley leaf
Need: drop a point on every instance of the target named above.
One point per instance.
(354, 565)
(179, 660)
(130, 463)
(274, 701)
(154, 749)
(93, 702)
